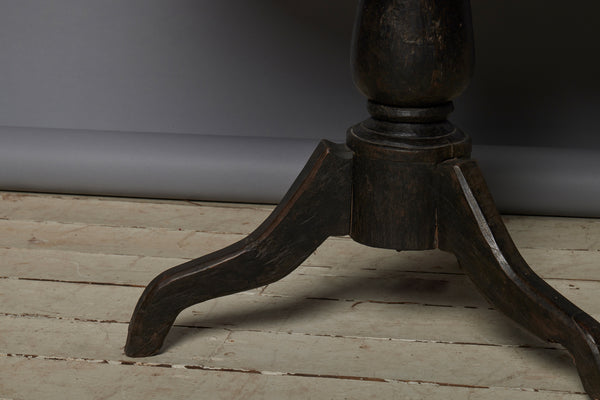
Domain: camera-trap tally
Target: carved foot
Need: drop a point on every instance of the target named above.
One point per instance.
(471, 228)
(317, 206)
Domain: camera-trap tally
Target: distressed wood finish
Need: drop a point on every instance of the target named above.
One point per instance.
(316, 207)
(471, 228)
(413, 53)
(351, 322)
(403, 182)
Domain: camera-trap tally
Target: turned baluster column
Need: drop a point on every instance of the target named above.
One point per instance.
(403, 181)
(410, 58)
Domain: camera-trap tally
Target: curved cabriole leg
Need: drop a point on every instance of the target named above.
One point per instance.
(472, 229)
(317, 206)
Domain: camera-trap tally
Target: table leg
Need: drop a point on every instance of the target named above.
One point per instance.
(472, 229)
(316, 207)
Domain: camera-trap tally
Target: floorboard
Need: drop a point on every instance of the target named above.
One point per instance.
(350, 323)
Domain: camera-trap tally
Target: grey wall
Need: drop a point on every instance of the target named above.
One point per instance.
(536, 80)
(229, 67)
(225, 100)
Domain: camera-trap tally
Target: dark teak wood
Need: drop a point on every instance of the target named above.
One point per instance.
(403, 180)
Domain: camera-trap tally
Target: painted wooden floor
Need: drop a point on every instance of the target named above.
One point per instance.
(351, 323)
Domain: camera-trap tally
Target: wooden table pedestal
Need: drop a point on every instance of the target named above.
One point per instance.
(403, 181)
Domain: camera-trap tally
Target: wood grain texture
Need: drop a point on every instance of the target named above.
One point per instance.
(299, 354)
(66, 331)
(470, 227)
(404, 181)
(316, 206)
(55, 378)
